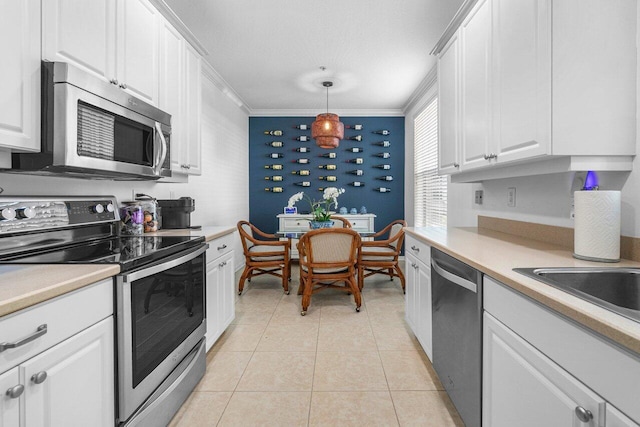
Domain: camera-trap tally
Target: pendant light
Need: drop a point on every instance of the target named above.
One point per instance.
(327, 130)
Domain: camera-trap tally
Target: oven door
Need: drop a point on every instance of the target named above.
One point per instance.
(160, 318)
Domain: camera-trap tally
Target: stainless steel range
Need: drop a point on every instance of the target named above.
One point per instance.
(160, 293)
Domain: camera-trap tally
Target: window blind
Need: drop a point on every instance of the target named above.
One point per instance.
(430, 189)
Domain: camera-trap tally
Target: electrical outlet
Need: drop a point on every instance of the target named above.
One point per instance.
(572, 211)
(478, 197)
(511, 197)
(172, 195)
(133, 194)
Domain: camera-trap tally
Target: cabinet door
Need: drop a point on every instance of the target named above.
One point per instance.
(412, 289)
(424, 308)
(192, 111)
(615, 418)
(448, 107)
(10, 407)
(212, 303)
(82, 33)
(79, 385)
(522, 78)
(137, 50)
(226, 292)
(522, 387)
(475, 33)
(20, 75)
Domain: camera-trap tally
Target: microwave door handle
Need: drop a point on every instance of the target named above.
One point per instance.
(162, 151)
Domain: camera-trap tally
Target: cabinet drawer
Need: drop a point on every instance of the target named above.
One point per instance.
(64, 316)
(360, 224)
(295, 224)
(418, 248)
(220, 246)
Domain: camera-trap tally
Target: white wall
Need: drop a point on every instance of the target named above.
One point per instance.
(221, 192)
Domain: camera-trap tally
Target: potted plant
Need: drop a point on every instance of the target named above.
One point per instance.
(320, 209)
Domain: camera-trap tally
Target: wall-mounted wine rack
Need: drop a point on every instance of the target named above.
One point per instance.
(368, 164)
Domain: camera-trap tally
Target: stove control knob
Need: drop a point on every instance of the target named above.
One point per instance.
(98, 209)
(7, 213)
(110, 207)
(25, 213)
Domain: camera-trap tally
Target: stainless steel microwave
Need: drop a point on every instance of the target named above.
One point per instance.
(93, 129)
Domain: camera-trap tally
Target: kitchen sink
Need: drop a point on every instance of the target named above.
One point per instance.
(616, 289)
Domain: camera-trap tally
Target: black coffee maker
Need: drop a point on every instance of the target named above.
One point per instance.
(176, 213)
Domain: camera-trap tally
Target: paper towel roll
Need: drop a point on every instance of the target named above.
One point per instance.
(597, 225)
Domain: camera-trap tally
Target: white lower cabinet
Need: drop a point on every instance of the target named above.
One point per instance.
(221, 294)
(65, 374)
(418, 292)
(540, 369)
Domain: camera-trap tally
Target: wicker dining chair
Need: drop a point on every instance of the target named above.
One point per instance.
(340, 221)
(381, 256)
(263, 255)
(328, 257)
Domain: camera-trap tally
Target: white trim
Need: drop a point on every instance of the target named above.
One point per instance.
(315, 112)
(423, 88)
(462, 13)
(214, 77)
(173, 19)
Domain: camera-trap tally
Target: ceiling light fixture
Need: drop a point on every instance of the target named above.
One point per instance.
(327, 130)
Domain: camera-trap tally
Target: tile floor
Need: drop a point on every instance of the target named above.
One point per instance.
(332, 367)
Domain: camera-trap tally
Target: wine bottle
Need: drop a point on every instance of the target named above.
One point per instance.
(385, 178)
(385, 167)
(355, 150)
(274, 189)
(383, 190)
(321, 189)
(328, 178)
(274, 167)
(383, 144)
(357, 161)
(275, 155)
(356, 138)
(302, 127)
(274, 132)
(328, 167)
(328, 155)
(303, 138)
(356, 127)
(273, 178)
(275, 144)
(384, 155)
(357, 183)
(302, 149)
(303, 184)
(301, 161)
(382, 132)
(301, 172)
(358, 172)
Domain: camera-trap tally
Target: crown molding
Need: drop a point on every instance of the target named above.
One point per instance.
(313, 113)
(425, 85)
(170, 16)
(462, 13)
(214, 77)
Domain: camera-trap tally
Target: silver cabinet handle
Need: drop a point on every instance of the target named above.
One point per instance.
(583, 414)
(123, 86)
(222, 264)
(456, 165)
(15, 391)
(222, 247)
(39, 377)
(114, 81)
(42, 329)
(415, 248)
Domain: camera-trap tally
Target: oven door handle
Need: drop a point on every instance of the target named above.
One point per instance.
(164, 265)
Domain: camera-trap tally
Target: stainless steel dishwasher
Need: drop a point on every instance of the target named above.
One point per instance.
(457, 333)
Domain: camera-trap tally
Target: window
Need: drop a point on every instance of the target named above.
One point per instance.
(430, 189)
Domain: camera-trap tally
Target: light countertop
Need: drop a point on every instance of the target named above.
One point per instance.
(22, 286)
(497, 254)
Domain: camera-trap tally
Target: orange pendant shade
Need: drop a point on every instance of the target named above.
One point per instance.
(327, 130)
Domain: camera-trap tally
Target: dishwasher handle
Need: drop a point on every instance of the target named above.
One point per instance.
(453, 278)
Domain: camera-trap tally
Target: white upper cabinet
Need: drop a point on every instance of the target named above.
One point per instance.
(449, 106)
(105, 38)
(540, 81)
(20, 75)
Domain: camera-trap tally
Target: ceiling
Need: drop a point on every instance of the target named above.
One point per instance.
(270, 52)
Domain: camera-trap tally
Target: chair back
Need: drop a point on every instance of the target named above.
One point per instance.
(340, 222)
(396, 234)
(329, 247)
(246, 235)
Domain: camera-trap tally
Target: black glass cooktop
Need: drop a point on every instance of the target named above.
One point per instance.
(129, 252)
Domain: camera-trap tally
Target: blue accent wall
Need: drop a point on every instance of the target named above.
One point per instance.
(264, 205)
